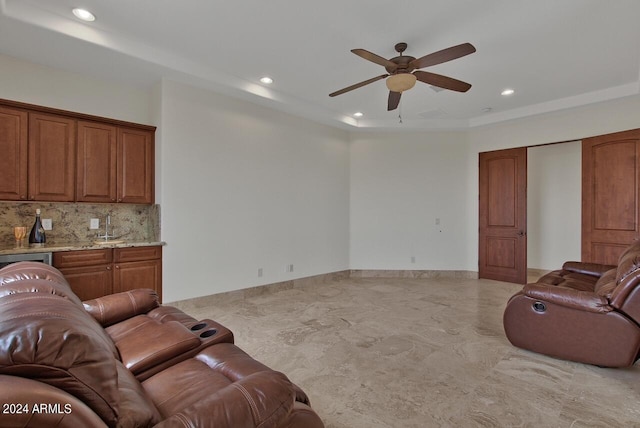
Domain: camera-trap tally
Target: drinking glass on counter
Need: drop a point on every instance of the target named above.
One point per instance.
(19, 232)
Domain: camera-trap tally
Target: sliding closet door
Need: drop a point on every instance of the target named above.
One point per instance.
(610, 195)
(503, 215)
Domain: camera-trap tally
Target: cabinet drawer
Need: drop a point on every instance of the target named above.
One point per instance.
(65, 259)
(134, 254)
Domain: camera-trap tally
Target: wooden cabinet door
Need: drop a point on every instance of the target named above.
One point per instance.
(610, 195)
(96, 162)
(142, 274)
(138, 267)
(90, 282)
(89, 272)
(135, 166)
(502, 253)
(51, 157)
(13, 154)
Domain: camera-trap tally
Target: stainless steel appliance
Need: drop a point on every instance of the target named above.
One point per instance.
(7, 259)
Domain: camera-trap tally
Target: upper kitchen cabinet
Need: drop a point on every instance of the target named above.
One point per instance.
(52, 148)
(135, 166)
(115, 164)
(13, 146)
(61, 156)
(97, 163)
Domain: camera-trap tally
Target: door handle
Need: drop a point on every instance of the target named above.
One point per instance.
(521, 233)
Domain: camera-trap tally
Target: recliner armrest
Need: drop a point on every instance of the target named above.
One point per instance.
(108, 310)
(593, 269)
(263, 399)
(568, 297)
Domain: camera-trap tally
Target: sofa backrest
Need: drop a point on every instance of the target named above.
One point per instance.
(48, 336)
(626, 295)
(45, 279)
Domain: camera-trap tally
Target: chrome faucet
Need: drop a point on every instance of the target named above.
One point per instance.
(106, 235)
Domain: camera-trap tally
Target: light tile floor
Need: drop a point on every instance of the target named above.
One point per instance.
(384, 352)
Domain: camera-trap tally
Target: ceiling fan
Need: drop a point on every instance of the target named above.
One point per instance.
(402, 71)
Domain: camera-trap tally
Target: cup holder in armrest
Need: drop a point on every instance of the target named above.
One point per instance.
(208, 333)
(198, 326)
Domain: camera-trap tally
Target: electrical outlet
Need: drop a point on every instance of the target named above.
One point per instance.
(94, 223)
(288, 268)
(259, 272)
(437, 220)
(46, 224)
(413, 259)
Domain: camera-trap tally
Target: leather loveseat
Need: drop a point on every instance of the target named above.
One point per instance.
(125, 361)
(585, 312)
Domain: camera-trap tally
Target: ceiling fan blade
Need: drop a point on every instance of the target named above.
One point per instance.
(391, 66)
(394, 100)
(442, 81)
(443, 55)
(357, 85)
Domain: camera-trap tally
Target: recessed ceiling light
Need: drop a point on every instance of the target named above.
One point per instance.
(84, 14)
(358, 114)
(266, 80)
(507, 92)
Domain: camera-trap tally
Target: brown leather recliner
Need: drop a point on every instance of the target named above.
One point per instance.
(124, 361)
(585, 312)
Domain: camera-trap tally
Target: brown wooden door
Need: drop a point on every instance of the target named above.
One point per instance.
(610, 195)
(52, 154)
(96, 162)
(13, 154)
(135, 166)
(503, 215)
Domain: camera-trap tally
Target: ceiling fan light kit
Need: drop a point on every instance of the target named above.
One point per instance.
(402, 71)
(401, 82)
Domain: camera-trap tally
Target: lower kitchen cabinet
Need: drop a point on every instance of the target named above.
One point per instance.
(95, 273)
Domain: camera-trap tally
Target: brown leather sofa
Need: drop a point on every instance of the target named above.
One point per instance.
(585, 312)
(125, 361)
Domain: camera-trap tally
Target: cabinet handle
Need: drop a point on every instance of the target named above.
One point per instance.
(117, 267)
(108, 267)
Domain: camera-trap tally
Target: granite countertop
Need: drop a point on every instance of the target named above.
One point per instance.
(72, 246)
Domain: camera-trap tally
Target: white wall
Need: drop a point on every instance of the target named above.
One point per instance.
(246, 187)
(554, 202)
(400, 184)
(36, 84)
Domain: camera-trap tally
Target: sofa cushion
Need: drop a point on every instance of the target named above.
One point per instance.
(144, 342)
(223, 385)
(136, 410)
(628, 262)
(53, 340)
(569, 279)
(606, 284)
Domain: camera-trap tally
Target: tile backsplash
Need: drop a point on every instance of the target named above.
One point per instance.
(70, 221)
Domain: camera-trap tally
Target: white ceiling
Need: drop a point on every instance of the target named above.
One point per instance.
(554, 53)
